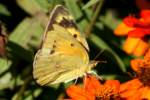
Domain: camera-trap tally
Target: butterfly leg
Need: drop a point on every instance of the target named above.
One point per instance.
(75, 80)
(94, 73)
(85, 78)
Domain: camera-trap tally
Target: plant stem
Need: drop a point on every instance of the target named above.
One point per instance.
(22, 89)
(90, 26)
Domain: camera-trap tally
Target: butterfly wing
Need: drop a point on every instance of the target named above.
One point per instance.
(61, 58)
(58, 68)
(62, 17)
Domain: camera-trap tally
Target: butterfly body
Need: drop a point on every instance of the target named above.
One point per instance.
(63, 55)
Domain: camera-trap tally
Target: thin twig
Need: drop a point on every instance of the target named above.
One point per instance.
(23, 87)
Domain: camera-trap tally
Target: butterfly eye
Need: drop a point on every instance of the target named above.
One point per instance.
(75, 35)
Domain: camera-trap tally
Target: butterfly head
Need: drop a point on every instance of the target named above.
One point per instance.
(92, 64)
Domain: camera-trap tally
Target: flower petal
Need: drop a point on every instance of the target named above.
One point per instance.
(130, 44)
(131, 90)
(114, 84)
(91, 83)
(147, 55)
(146, 93)
(130, 95)
(139, 33)
(145, 14)
(141, 48)
(133, 22)
(122, 29)
(135, 64)
(77, 93)
(134, 84)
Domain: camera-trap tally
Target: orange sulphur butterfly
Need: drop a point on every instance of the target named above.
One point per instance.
(63, 55)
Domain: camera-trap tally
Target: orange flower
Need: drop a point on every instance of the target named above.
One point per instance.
(141, 26)
(122, 29)
(94, 90)
(135, 46)
(145, 14)
(137, 30)
(135, 27)
(138, 88)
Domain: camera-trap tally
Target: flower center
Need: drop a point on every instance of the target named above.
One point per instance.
(106, 93)
(144, 72)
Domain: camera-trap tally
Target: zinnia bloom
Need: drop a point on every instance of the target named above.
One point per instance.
(137, 30)
(94, 90)
(139, 87)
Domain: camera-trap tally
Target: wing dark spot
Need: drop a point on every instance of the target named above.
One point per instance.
(54, 41)
(75, 35)
(67, 23)
(72, 44)
(53, 51)
(54, 46)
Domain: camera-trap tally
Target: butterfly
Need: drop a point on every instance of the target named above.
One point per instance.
(63, 55)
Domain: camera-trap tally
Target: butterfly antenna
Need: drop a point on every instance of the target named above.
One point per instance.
(100, 52)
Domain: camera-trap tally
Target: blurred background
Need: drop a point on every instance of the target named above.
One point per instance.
(22, 23)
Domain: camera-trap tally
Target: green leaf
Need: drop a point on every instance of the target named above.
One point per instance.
(29, 94)
(4, 65)
(74, 8)
(44, 4)
(56, 2)
(34, 6)
(109, 20)
(4, 10)
(90, 3)
(82, 25)
(5, 81)
(25, 37)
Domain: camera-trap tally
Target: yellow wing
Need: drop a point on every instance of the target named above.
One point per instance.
(63, 55)
(61, 58)
(62, 17)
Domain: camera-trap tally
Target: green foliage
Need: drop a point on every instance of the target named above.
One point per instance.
(4, 10)
(25, 36)
(90, 3)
